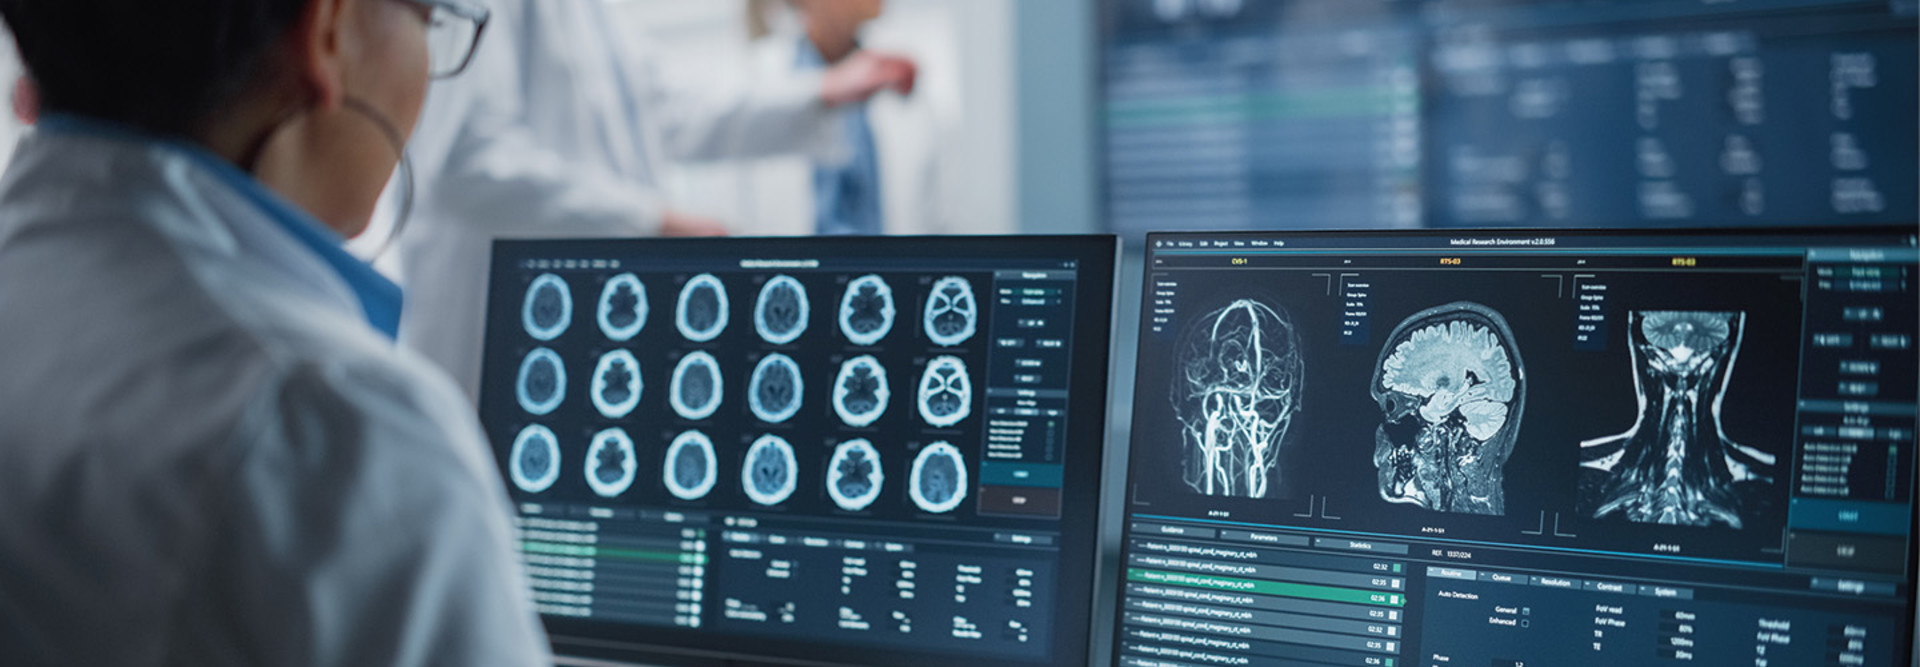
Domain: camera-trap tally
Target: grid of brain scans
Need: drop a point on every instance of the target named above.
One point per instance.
(856, 445)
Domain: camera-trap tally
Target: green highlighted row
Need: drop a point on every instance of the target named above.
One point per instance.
(1279, 588)
(586, 551)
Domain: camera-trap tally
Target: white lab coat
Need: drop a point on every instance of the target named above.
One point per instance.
(557, 130)
(207, 455)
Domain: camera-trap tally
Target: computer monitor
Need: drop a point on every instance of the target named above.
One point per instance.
(853, 451)
(1523, 448)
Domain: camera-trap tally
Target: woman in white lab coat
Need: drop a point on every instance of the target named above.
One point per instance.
(211, 451)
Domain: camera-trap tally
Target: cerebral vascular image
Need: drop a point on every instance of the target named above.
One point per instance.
(946, 395)
(853, 475)
(542, 383)
(535, 459)
(1451, 391)
(611, 462)
(780, 315)
(774, 391)
(951, 312)
(616, 384)
(1676, 465)
(696, 389)
(860, 393)
(1237, 375)
(548, 307)
(623, 307)
(691, 466)
(866, 310)
(702, 313)
(939, 479)
(769, 475)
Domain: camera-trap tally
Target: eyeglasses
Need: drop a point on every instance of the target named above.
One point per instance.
(453, 34)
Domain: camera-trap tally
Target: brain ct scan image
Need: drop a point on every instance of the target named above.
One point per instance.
(623, 307)
(691, 468)
(860, 392)
(866, 310)
(774, 391)
(1237, 384)
(952, 313)
(946, 394)
(939, 479)
(542, 383)
(1451, 390)
(534, 463)
(702, 313)
(770, 473)
(616, 384)
(1675, 465)
(548, 308)
(780, 315)
(611, 463)
(696, 389)
(853, 475)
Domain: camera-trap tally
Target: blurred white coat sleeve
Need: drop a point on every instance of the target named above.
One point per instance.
(718, 119)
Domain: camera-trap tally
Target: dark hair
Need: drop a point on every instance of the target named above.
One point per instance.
(163, 66)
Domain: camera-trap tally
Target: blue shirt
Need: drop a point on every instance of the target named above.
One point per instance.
(846, 197)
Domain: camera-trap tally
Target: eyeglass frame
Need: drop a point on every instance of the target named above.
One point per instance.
(479, 16)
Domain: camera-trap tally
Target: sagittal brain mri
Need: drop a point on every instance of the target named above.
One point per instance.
(548, 307)
(1236, 387)
(542, 383)
(866, 310)
(535, 459)
(611, 463)
(860, 392)
(616, 384)
(702, 313)
(939, 479)
(770, 473)
(691, 467)
(780, 314)
(952, 313)
(623, 307)
(696, 389)
(1451, 391)
(1675, 465)
(774, 392)
(853, 475)
(946, 394)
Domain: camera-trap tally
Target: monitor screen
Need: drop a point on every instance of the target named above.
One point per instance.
(842, 451)
(1539, 448)
(1235, 114)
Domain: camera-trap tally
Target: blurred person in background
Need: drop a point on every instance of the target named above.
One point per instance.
(562, 129)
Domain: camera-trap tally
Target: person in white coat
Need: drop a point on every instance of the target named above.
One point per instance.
(212, 452)
(560, 131)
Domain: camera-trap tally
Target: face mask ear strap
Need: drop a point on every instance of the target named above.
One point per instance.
(399, 144)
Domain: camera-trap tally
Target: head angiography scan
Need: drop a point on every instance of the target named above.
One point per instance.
(780, 315)
(770, 473)
(534, 463)
(853, 475)
(866, 310)
(548, 308)
(774, 391)
(946, 394)
(1675, 464)
(542, 382)
(702, 312)
(951, 314)
(623, 307)
(616, 384)
(1451, 390)
(691, 467)
(611, 463)
(860, 392)
(1236, 387)
(696, 389)
(939, 479)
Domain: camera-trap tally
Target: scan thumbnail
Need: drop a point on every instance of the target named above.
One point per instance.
(770, 473)
(702, 313)
(611, 463)
(866, 310)
(534, 463)
(623, 307)
(1451, 391)
(616, 384)
(952, 314)
(542, 382)
(696, 389)
(860, 393)
(548, 307)
(780, 314)
(774, 391)
(939, 479)
(853, 475)
(691, 466)
(1237, 382)
(946, 394)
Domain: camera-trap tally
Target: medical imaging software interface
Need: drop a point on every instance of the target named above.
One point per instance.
(1478, 449)
(857, 451)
